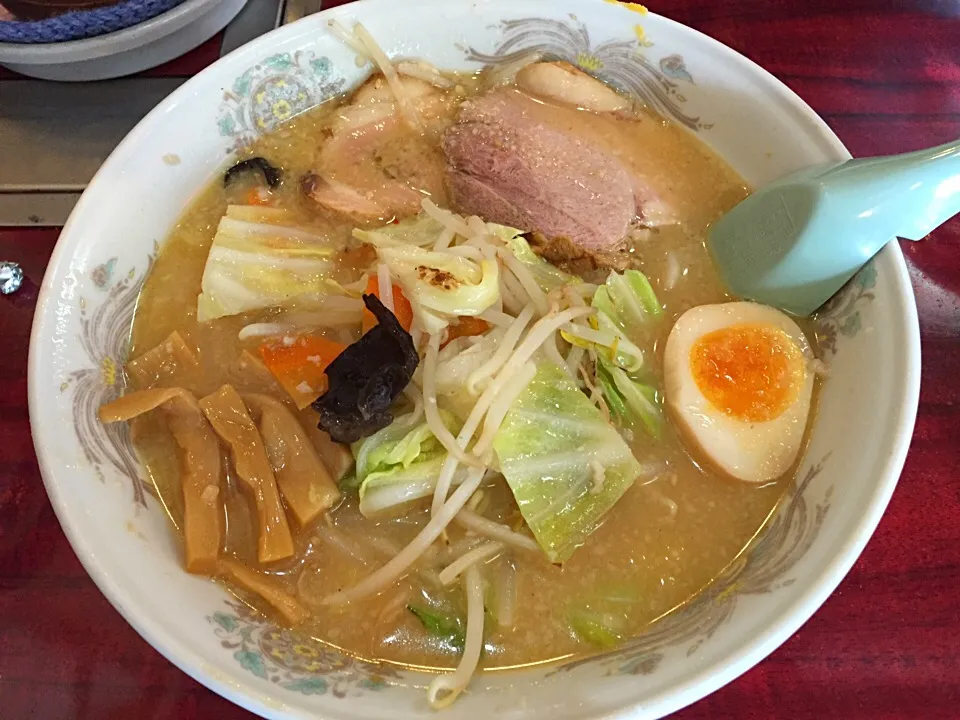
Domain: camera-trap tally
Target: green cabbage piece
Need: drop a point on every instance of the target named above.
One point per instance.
(632, 402)
(549, 447)
(626, 303)
(446, 627)
(399, 485)
(420, 230)
(400, 443)
(456, 363)
(400, 463)
(627, 299)
(442, 286)
(260, 262)
(602, 618)
(548, 276)
(595, 628)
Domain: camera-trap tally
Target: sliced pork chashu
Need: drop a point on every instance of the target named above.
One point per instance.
(375, 166)
(508, 165)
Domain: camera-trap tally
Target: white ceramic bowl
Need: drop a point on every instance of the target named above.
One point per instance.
(856, 451)
(125, 52)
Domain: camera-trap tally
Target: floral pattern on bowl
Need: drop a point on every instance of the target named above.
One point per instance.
(843, 313)
(276, 89)
(104, 335)
(292, 661)
(619, 62)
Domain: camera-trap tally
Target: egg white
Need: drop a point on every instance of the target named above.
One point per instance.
(754, 452)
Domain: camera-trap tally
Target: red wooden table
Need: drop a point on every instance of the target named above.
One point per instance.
(886, 76)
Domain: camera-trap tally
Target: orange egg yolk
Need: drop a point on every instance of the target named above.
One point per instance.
(750, 372)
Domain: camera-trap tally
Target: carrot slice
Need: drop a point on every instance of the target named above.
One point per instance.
(259, 196)
(465, 327)
(401, 306)
(299, 365)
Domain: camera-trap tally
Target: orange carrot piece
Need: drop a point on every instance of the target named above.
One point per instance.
(259, 196)
(299, 366)
(465, 327)
(401, 306)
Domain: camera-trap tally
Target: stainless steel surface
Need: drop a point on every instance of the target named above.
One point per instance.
(54, 136)
(256, 18)
(296, 9)
(36, 208)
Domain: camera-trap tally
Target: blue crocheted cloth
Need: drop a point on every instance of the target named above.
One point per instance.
(80, 24)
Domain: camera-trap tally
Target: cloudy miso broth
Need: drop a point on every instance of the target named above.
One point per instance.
(664, 540)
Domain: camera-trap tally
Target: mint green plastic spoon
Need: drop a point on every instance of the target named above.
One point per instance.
(794, 243)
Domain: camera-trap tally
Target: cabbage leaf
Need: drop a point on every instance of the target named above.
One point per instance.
(398, 485)
(442, 286)
(446, 627)
(420, 230)
(632, 402)
(628, 300)
(602, 617)
(626, 304)
(548, 276)
(564, 463)
(257, 260)
(600, 630)
(457, 363)
(400, 463)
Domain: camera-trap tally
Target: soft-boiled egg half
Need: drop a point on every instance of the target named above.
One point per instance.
(737, 378)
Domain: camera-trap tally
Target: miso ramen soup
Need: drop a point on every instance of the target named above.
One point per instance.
(441, 373)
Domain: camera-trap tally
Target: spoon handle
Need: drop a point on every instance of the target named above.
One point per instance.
(913, 193)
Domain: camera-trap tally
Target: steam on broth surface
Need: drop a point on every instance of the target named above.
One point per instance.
(636, 535)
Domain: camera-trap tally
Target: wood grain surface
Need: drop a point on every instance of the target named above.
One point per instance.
(886, 76)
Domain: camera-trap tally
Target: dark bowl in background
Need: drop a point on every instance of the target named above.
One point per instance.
(41, 9)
